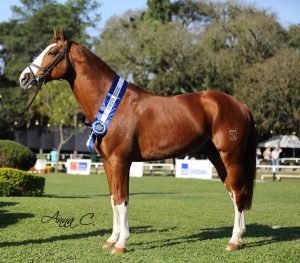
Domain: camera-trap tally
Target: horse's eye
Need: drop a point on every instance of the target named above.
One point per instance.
(51, 53)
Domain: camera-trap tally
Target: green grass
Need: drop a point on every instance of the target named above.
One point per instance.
(171, 220)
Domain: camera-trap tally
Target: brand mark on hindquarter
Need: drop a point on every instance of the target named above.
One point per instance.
(233, 136)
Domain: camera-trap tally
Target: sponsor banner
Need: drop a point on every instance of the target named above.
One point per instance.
(136, 169)
(79, 166)
(199, 169)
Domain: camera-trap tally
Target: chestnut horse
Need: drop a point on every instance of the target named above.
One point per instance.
(150, 127)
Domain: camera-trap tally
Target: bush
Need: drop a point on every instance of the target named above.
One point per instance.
(14, 182)
(6, 189)
(16, 155)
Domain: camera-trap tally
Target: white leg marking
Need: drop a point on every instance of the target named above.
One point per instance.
(239, 223)
(123, 224)
(116, 228)
(243, 223)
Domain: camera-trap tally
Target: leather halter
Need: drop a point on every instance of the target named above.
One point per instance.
(39, 80)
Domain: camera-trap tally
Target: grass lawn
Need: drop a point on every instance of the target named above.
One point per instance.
(171, 220)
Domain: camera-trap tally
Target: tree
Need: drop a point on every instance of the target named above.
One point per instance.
(24, 37)
(239, 37)
(57, 103)
(193, 13)
(150, 56)
(293, 36)
(158, 11)
(30, 32)
(238, 49)
(158, 53)
(272, 90)
(248, 57)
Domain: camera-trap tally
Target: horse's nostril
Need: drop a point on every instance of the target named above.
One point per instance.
(24, 78)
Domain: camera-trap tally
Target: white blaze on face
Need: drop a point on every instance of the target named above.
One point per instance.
(26, 78)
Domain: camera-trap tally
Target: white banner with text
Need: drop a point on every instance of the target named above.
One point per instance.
(199, 169)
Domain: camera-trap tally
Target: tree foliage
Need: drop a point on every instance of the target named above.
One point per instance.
(169, 48)
(57, 103)
(272, 89)
(197, 45)
(27, 34)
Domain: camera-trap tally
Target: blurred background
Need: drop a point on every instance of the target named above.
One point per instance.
(246, 49)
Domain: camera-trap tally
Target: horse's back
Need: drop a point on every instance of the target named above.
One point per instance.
(218, 109)
(221, 105)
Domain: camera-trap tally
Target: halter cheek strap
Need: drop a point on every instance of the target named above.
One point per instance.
(106, 112)
(41, 78)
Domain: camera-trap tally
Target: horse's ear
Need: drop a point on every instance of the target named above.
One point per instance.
(54, 32)
(61, 33)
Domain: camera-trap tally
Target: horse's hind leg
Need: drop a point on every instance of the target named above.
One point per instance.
(231, 173)
(215, 158)
(235, 186)
(232, 177)
(239, 228)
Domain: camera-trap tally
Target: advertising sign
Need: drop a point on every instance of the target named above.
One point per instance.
(136, 169)
(199, 169)
(79, 166)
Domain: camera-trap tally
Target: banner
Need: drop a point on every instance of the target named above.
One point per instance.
(79, 166)
(136, 169)
(199, 169)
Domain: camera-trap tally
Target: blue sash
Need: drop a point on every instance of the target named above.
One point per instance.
(106, 112)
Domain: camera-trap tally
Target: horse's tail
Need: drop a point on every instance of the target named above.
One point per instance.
(249, 164)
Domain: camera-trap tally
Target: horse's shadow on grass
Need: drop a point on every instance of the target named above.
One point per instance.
(55, 238)
(268, 235)
(102, 232)
(100, 195)
(7, 218)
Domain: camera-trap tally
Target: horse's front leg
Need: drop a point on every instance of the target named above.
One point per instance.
(119, 188)
(116, 229)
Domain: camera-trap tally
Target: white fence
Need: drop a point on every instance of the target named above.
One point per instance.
(265, 171)
(148, 168)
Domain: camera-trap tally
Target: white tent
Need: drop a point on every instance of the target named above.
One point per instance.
(282, 141)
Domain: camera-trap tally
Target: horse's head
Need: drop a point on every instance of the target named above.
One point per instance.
(50, 64)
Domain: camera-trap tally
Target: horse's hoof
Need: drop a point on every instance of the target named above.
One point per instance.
(234, 247)
(107, 245)
(118, 250)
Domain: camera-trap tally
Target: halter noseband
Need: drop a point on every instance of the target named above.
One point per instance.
(40, 80)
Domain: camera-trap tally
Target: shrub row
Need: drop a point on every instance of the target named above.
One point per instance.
(16, 155)
(14, 182)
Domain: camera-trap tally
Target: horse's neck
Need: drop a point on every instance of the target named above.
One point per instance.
(91, 81)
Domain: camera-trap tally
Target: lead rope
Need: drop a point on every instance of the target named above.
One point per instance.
(19, 114)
